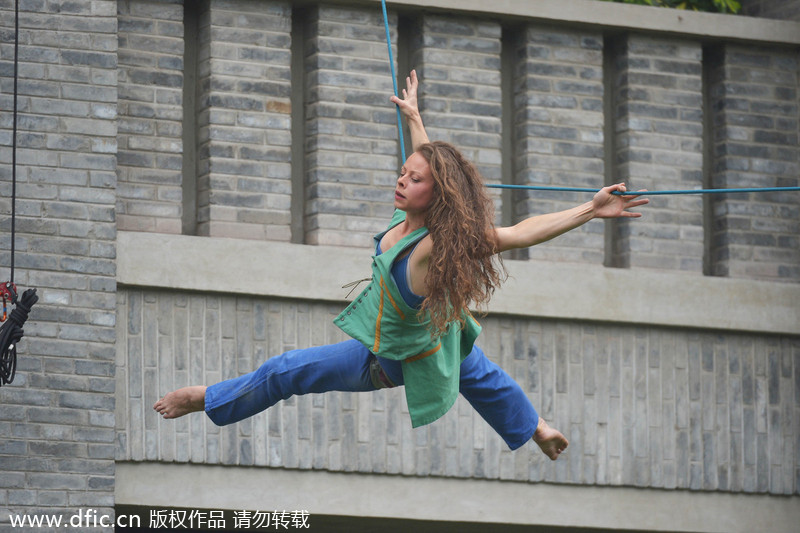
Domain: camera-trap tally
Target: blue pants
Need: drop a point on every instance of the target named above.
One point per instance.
(349, 366)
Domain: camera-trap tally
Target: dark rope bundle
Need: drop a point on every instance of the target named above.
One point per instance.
(10, 334)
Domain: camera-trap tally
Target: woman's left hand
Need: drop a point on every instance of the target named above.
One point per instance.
(410, 109)
(608, 205)
(408, 104)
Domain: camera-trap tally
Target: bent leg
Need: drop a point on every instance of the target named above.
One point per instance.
(504, 405)
(498, 399)
(341, 367)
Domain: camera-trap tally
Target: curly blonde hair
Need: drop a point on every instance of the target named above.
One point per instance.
(463, 269)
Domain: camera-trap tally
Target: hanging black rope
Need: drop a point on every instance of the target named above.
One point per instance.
(14, 137)
(11, 331)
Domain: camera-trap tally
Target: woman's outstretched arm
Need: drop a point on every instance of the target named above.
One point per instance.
(408, 106)
(541, 228)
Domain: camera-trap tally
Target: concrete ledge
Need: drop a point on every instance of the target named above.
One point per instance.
(535, 289)
(623, 17)
(467, 500)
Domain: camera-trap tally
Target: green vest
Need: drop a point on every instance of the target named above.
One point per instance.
(381, 320)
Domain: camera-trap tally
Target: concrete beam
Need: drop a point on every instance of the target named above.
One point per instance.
(467, 500)
(536, 289)
(615, 17)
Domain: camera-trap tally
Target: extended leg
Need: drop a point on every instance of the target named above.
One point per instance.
(343, 366)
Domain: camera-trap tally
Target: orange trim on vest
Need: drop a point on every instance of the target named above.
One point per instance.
(391, 300)
(384, 291)
(423, 355)
(472, 317)
(377, 345)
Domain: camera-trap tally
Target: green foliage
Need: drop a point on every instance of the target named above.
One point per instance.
(712, 6)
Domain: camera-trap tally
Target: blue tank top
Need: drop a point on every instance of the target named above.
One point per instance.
(402, 278)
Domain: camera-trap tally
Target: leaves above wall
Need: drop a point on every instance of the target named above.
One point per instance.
(711, 6)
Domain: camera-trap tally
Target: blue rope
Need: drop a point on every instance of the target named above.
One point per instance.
(645, 193)
(394, 80)
(562, 189)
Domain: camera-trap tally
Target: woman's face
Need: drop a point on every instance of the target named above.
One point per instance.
(414, 190)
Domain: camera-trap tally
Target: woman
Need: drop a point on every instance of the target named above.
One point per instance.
(411, 326)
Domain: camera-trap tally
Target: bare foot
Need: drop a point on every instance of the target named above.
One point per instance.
(550, 440)
(182, 402)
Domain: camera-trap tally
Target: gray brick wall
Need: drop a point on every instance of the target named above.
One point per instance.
(352, 151)
(57, 417)
(461, 96)
(658, 145)
(558, 131)
(101, 147)
(644, 407)
(461, 99)
(150, 124)
(244, 129)
(754, 97)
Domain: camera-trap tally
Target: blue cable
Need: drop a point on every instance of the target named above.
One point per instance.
(563, 189)
(394, 80)
(645, 193)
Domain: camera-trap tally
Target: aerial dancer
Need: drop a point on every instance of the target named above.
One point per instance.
(411, 326)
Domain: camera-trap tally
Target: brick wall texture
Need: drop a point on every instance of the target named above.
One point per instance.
(103, 145)
(243, 128)
(646, 407)
(558, 134)
(150, 123)
(658, 145)
(57, 418)
(350, 138)
(755, 141)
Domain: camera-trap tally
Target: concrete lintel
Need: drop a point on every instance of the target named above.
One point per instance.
(534, 288)
(467, 500)
(623, 17)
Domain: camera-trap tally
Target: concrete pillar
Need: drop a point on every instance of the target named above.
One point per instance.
(558, 131)
(461, 100)
(754, 101)
(658, 145)
(149, 159)
(351, 149)
(244, 127)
